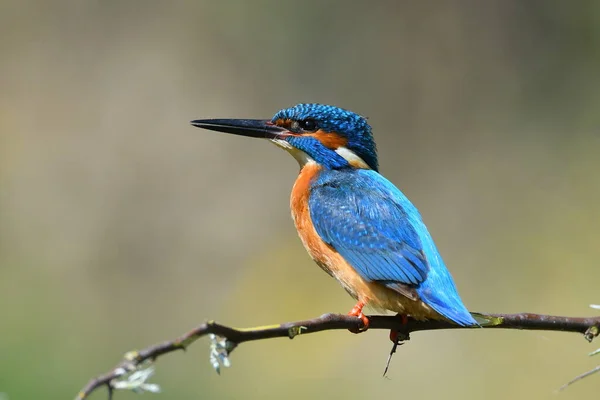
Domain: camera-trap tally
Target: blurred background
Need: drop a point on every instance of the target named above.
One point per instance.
(121, 225)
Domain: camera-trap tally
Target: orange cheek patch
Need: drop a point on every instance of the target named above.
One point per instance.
(330, 140)
(284, 123)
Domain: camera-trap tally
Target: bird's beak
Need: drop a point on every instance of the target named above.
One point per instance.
(257, 128)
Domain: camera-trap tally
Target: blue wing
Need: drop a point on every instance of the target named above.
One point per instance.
(369, 227)
(380, 233)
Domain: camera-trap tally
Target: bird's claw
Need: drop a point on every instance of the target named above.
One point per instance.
(365, 324)
(357, 312)
(397, 336)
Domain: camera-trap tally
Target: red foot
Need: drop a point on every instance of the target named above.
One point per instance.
(394, 334)
(357, 312)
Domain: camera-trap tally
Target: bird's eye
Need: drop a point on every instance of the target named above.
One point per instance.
(309, 125)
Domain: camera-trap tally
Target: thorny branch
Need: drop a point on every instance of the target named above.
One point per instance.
(131, 373)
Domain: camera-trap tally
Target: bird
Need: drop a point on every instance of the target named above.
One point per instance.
(355, 224)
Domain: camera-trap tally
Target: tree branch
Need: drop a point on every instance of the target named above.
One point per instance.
(225, 339)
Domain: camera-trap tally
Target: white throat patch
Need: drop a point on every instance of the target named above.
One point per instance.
(298, 154)
(304, 158)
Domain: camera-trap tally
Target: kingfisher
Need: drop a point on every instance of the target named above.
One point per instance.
(355, 224)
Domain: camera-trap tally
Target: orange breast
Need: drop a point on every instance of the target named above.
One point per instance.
(334, 264)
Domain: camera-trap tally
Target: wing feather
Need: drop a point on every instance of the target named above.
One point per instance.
(371, 228)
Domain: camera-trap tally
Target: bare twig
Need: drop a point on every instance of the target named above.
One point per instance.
(580, 377)
(225, 339)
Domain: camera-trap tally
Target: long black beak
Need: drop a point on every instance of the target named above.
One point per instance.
(257, 128)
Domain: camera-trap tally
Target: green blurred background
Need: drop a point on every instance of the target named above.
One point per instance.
(121, 225)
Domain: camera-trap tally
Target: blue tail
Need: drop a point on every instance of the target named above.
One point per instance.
(439, 292)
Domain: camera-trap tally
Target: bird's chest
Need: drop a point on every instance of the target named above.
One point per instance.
(320, 251)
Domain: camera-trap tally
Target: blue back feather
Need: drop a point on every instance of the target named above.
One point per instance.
(381, 234)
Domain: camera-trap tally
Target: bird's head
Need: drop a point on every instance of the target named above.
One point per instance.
(330, 136)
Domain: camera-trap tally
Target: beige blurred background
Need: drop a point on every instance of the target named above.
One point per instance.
(121, 225)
